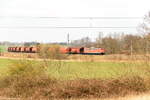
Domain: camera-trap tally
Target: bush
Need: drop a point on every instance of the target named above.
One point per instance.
(26, 68)
(51, 52)
(24, 78)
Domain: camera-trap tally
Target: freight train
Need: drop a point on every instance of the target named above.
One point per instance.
(63, 50)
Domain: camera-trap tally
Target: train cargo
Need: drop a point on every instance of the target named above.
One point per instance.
(27, 50)
(13, 49)
(63, 50)
(74, 50)
(9, 49)
(33, 49)
(17, 49)
(22, 49)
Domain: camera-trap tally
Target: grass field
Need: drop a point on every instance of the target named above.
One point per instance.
(46, 79)
(95, 70)
(86, 70)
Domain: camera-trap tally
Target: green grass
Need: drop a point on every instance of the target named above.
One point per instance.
(2, 48)
(85, 70)
(4, 65)
(92, 70)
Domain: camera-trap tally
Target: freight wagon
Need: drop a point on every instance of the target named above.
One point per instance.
(63, 50)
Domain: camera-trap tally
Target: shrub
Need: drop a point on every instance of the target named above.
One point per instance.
(26, 68)
(24, 78)
(50, 52)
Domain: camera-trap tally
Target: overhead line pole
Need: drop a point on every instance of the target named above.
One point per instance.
(68, 39)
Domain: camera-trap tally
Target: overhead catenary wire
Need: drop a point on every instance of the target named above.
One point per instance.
(69, 27)
(46, 17)
(63, 27)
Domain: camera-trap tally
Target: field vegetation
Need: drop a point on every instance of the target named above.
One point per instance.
(67, 70)
(49, 79)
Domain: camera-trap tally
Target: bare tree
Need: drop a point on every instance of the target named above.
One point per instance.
(99, 40)
(144, 27)
(85, 42)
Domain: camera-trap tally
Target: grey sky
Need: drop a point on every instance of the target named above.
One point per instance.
(27, 10)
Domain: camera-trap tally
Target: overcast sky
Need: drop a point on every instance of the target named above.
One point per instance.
(25, 13)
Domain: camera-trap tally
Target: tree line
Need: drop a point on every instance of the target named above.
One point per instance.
(121, 44)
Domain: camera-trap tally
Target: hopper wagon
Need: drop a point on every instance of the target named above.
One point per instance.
(63, 50)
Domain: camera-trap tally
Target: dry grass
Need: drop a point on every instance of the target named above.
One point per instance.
(45, 88)
(141, 96)
(27, 79)
(113, 57)
(92, 58)
(20, 55)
